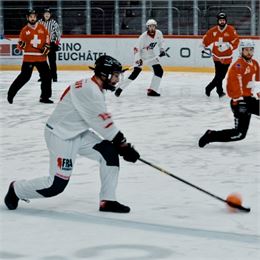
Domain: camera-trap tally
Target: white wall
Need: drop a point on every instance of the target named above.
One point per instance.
(84, 51)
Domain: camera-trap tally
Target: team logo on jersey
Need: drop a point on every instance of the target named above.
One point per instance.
(28, 32)
(79, 84)
(226, 34)
(151, 46)
(64, 164)
(40, 31)
(214, 34)
(247, 71)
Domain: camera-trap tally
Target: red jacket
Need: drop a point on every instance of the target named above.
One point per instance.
(239, 75)
(35, 38)
(224, 42)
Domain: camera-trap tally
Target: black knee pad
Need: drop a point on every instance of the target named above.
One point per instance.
(135, 73)
(109, 152)
(56, 188)
(158, 70)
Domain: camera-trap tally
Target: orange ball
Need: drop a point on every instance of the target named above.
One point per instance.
(234, 198)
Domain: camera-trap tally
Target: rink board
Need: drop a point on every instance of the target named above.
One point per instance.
(79, 52)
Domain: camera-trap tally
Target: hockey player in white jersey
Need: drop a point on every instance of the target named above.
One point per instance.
(69, 131)
(145, 54)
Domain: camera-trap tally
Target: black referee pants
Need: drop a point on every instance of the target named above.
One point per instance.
(52, 60)
(25, 75)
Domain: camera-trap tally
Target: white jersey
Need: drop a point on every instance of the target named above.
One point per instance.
(144, 48)
(82, 107)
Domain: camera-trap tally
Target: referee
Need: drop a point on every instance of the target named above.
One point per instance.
(54, 30)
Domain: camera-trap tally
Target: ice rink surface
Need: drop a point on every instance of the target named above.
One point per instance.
(168, 219)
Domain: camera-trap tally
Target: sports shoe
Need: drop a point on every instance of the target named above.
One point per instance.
(10, 99)
(113, 206)
(46, 101)
(205, 139)
(11, 200)
(152, 93)
(207, 92)
(222, 94)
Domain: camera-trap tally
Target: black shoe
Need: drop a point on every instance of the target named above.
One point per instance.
(207, 92)
(205, 139)
(39, 80)
(152, 93)
(222, 94)
(55, 80)
(10, 99)
(113, 206)
(11, 200)
(46, 101)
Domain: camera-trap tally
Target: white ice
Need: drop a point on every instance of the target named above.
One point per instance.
(168, 219)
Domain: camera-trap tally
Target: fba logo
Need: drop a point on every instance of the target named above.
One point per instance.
(64, 164)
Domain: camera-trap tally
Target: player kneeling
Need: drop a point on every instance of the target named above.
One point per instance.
(243, 87)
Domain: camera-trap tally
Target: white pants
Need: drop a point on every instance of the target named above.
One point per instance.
(62, 158)
(155, 82)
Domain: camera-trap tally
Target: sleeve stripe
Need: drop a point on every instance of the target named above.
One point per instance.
(109, 124)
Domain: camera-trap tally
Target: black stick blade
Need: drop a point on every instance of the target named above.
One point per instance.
(236, 206)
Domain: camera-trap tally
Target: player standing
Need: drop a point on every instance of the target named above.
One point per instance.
(225, 40)
(144, 54)
(68, 132)
(243, 83)
(34, 40)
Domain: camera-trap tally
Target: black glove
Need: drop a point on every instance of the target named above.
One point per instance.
(139, 62)
(129, 153)
(118, 92)
(54, 46)
(125, 149)
(22, 44)
(45, 49)
(240, 106)
(162, 53)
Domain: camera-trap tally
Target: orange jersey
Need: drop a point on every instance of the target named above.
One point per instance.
(224, 42)
(35, 38)
(239, 75)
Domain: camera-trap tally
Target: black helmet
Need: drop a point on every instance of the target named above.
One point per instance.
(47, 10)
(106, 65)
(31, 11)
(221, 15)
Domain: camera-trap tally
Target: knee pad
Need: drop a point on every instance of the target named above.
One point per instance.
(108, 152)
(158, 71)
(56, 188)
(135, 73)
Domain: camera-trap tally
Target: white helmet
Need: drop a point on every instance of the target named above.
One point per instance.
(151, 22)
(245, 43)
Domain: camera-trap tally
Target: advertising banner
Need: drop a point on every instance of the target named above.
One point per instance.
(180, 52)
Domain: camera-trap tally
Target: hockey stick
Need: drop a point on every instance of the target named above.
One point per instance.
(231, 204)
(145, 61)
(206, 52)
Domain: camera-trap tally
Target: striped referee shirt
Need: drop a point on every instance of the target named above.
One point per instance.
(53, 28)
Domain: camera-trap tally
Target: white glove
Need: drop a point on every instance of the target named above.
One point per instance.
(255, 88)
